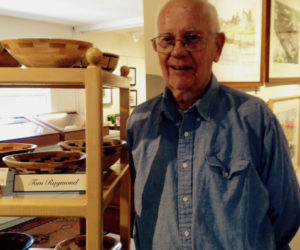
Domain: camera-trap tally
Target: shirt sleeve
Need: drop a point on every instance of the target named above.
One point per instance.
(129, 137)
(279, 177)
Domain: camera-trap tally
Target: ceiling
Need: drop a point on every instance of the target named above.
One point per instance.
(84, 15)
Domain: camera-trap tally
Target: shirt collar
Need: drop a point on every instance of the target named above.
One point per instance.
(204, 105)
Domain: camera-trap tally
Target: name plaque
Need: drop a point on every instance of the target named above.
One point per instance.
(49, 182)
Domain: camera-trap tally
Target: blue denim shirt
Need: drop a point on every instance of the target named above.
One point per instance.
(218, 177)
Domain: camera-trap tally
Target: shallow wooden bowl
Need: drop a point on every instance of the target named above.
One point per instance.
(49, 162)
(44, 52)
(14, 148)
(7, 60)
(111, 149)
(11, 240)
(78, 243)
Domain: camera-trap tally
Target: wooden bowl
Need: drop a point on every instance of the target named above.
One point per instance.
(78, 243)
(14, 148)
(17, 241)
(109, 61)
(44, 52)
(50, 162)
(6, 60)
(111, 149)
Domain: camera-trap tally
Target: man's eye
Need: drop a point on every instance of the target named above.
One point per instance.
(167, 39)
(193, 38)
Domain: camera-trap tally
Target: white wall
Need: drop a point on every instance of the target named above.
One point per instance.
(130, 54)
(21, 28)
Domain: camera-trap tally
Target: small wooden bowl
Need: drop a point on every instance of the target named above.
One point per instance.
(15, 148)
(44, 52)
(50, 162)
(11, 240)
(109, 61)
(111, 149)
(78, 243)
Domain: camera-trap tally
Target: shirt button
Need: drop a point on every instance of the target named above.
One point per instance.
(225, 174)
(186, 233)
(185, 165)
(198, 119)
(185, 199)
(186, 134)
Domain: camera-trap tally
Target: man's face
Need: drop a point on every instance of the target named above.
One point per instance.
(184, 70)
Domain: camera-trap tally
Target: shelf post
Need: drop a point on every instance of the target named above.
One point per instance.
(94, 190)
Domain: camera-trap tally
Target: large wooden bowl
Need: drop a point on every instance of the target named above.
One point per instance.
(111, 149)
(50, 162)
(14, 148)
(44, 52)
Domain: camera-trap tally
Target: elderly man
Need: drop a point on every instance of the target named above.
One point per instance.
(210, 165)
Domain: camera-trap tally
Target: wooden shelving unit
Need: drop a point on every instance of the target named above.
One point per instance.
(92, 204)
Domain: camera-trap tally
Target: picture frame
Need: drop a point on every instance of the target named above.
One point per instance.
(283, 41)
(132, 76)
(133, 98)
(287, 111)
(107, 96)
(241, 64)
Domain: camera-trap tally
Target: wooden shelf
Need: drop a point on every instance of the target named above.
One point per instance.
(55, 77)
(98, 194)
(62, 204)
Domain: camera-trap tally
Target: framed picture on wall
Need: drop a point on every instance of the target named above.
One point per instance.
(240, 64)
(133, 98)
(283, 34)
(287, 112)
(107, 96)
(132, 76)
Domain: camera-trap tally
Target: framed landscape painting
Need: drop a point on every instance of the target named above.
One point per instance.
(287, 112)
(283, 57)
(133, 98)
(242, 22)
(107, 96)
(132, 76)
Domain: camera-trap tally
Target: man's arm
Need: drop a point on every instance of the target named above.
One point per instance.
(279, 177)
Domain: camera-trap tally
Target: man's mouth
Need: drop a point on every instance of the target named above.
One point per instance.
(181, 68)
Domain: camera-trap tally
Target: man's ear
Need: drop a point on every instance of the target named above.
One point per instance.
(220, 41)
(154, 45)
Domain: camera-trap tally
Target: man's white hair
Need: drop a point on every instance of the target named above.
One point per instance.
(209, 9)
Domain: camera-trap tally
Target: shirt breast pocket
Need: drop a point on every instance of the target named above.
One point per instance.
(228, 168)
(227, 181)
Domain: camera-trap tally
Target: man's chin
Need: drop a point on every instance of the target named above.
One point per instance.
(181, 85)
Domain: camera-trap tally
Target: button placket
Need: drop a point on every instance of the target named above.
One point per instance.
(185, 161)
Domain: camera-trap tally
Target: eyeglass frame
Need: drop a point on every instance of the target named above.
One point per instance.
(205, 38)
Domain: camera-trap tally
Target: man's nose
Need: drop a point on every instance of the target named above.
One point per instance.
(179, 48)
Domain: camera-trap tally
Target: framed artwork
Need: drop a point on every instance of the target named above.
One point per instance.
(133, 98)
(240, 64)
(283, 34)
(287, 112)
(107, 95)
(132, 76)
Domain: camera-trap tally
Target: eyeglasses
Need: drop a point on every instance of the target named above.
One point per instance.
(191, 42)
